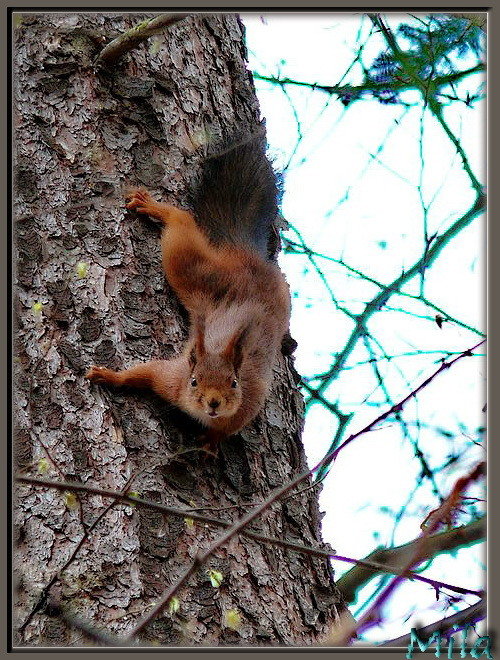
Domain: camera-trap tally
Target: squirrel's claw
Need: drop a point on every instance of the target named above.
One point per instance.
(99, 374)
(142, 202)
(138, 197)
(212, 440)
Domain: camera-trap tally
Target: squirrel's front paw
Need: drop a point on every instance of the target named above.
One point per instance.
(211, 441)
(100, 375)
(139, 200)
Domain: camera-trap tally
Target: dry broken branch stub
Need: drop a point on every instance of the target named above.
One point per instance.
(136, 35)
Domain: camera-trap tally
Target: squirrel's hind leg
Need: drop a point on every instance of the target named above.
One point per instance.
(190, 262)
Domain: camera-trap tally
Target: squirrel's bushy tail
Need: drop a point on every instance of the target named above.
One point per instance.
(237, 199)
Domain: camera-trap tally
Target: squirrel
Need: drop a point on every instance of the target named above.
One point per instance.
(217, 261)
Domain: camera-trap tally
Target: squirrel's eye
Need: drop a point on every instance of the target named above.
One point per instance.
(194, 382)
(234, 383)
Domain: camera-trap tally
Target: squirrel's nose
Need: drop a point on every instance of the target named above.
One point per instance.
(214, 404)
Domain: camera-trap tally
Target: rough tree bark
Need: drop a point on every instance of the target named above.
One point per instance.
(80, 135)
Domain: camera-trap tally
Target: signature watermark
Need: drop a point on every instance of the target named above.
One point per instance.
(482, 645)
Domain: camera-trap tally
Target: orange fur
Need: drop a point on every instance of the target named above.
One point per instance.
(239, 306)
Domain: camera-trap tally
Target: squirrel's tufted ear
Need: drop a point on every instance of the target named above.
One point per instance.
(198, 350)
(234, 350)
(199, 342)
(192, 358)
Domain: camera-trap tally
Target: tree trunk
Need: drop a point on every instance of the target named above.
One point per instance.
(90, 290)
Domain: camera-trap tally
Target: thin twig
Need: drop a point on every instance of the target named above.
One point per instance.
(90, 631)
(462, 536)
(56, 576)
(304, 249)
(383, 296)
(44, 593)
(332, 455)
(472, 614)
(428, 90)
(443, 514)
(370, 85)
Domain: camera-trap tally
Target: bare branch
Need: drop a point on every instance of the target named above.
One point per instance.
(381, 298)
(435, 518)
(472, 614)
(270, 540)
(136, 35)
(302, 248)
(391, 560)
(371, 85)
(44, 593)
(121, 496)
(428, 89)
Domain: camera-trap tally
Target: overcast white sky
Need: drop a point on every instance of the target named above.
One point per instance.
(373, 152)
